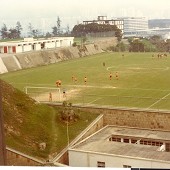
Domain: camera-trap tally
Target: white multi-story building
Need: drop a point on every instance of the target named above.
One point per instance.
(133, 25)
(30, 44)
(122, 147)
(103, 20)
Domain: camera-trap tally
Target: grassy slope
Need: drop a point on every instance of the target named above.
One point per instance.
(140, 76)
(27, 124)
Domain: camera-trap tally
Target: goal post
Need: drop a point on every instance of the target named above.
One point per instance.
(43, 93)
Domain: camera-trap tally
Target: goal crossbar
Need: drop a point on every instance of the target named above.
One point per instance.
(38, 87)
(43, 91)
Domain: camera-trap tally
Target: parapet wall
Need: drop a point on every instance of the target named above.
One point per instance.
(44, 57)
(149, 119)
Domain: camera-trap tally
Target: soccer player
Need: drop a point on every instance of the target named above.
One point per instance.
(75, 80)
(117, 76)
(64, 93)
(50, 97)
(58, 83)
(73, 77)
(110, 76)
(85, 80)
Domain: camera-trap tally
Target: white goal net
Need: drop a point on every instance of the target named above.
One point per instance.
(43, 94)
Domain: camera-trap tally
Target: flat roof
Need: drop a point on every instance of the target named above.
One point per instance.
(41, 40)
(99, 143)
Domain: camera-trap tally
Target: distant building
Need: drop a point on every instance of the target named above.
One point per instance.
(103, 20)
(159, 23)
(133, 25)
(122, 147)
(30, 44)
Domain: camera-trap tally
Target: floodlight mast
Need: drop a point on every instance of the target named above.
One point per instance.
(2, 141)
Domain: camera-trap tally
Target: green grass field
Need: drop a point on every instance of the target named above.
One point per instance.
(143, 81)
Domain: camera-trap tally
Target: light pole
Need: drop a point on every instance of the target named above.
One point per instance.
(2, 141)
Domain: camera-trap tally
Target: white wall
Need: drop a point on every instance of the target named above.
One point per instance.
(3, 68)
(1, 49)
(37, 46)
(50, 45)
(10, 49)
(67, 42)
(81, 159)
(18, 49)
(58, 44)
(27, 48)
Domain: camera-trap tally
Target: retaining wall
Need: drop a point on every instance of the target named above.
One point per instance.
(19, 159)
(3, 68)
(45, 57)
(150, 119)
(10, 63)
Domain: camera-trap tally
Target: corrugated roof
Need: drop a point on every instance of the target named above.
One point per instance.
(99, 143)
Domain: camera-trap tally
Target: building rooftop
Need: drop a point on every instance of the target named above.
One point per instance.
(100, 143)
(31, 41)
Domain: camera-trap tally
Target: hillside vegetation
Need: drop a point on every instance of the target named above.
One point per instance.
(28, 123)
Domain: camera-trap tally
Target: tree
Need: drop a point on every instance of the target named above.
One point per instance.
(137, 46)
(4, 32)
(58, 25)
(19, 29)
(68, 114)
(118, 34)
(68, 30)
(33, 32)
(13, 33)
(55, 31)
(48, 35)
(82, 30)
(30, 30)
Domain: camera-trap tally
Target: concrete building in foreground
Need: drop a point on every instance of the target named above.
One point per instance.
(30, 44)
(122, 147)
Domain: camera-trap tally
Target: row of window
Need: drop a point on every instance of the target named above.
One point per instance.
(102, 165)
(140, 141)
(39, 43)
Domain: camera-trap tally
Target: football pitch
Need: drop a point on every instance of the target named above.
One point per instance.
(142, 82)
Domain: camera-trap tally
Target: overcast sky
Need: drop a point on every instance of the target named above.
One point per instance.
(43, 13)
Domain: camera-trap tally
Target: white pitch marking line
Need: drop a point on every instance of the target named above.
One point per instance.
(94, 101)
(158, 101)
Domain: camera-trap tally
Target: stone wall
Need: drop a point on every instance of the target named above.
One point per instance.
(3, 68)
(149, 119)
(15, 158)
(10, 63)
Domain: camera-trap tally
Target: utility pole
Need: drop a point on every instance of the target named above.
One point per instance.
(2, 141)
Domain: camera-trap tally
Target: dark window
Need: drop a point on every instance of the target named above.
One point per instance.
(167, 147)
(101, 164)
(126, 166)
(126, 140)
(115, 139)
(133, 141)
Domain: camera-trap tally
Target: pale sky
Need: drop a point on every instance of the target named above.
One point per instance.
(43, 13)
